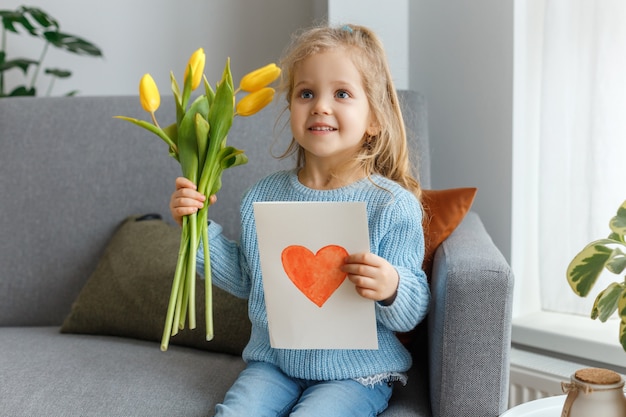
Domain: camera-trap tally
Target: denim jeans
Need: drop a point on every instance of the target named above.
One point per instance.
(263, 390)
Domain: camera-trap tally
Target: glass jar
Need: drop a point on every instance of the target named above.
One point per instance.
(594, 392)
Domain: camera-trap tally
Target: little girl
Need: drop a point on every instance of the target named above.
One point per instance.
(349, 136)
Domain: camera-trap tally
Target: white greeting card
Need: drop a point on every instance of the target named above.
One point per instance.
(310, 302)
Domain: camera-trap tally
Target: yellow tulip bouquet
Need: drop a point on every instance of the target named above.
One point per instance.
(197, 140)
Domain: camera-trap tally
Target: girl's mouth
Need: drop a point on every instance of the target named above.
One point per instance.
(322, 128)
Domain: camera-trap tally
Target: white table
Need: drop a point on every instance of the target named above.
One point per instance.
(544, 407)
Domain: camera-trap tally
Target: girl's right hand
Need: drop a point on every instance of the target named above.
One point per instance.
(186, 199)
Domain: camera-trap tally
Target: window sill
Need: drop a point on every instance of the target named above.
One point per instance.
(571, 336)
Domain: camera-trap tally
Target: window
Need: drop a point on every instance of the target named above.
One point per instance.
(569, 152)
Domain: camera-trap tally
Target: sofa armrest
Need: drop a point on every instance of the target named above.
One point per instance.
(469, 324)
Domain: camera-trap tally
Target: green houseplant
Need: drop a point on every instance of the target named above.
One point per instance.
(38, 24)
(604, 254)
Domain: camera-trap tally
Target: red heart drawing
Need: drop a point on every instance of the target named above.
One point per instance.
(318, 275)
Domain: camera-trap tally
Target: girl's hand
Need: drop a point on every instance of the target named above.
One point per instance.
(374, 277)
(186, 199)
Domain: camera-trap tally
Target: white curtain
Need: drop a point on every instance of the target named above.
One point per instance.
(573, 152)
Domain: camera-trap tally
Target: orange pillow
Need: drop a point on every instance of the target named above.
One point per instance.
(443, 212)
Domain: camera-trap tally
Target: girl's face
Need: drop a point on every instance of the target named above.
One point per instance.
(329, 109)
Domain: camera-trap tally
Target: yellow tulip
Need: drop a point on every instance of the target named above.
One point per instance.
(254, 102)
(259, 78)
(196, 62)
(149, 94)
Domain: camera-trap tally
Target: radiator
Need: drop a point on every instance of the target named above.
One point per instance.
(535, 376)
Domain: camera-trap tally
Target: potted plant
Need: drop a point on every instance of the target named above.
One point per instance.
(604, 254)
(39, 24)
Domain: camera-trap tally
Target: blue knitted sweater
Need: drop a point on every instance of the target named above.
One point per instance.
(396, 234)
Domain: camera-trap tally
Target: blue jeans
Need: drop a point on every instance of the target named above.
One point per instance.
(263, 390)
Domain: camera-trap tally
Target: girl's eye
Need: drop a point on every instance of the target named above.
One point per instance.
(306, 94)
(342, 94)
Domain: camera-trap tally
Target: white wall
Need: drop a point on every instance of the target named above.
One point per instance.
(458, 53)
(390, 21)
(158, 36)
(462, 59)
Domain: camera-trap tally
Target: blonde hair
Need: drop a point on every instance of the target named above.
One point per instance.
(385, 153)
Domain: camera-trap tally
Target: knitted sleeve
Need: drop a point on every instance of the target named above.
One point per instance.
(228, 271)
(402, 244)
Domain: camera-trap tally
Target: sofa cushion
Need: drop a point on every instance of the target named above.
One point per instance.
(443, 212)
(128, 293)
(45, 373)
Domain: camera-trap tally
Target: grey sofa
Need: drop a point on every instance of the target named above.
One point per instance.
(70, 173)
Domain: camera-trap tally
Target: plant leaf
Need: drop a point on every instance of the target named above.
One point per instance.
(618, 223)
(150, 127)
(180, 111)
(202, 136)
(187, 141)
(11, 18)
(616, 262)
(23, 91)
(584, 269)
(208, 90)
(41, 17)
(21, 63)
(621, 311)
(56, 72)
(72, 43)
(231, 157)
(222, 112)
(606, 302)
(622, 334)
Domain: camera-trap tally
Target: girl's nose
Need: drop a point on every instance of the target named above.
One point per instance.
(321, 106)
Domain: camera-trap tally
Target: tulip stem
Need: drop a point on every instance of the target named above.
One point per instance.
(154, 120)
(191, 270)
(208, 284)
(169, 318)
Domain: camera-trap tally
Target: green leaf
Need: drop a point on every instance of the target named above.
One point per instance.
(231, 157)
(186, 89)
(150, 127)
(584, 269)
(187, 140)
(72, 43)
(41, 17)
(606, 302)
(180, 110)
(202, 136)
(58, 72)
(618, 223)
(616, 262)
(21, 63)
(22, 91)
(172, 132)
(217, 185)
(221, 113)
(621, 306)
(23, 16)
(208, 91)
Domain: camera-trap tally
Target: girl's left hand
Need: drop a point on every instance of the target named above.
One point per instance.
(374, 277)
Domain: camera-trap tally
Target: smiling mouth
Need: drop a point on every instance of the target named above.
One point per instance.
(322, 128)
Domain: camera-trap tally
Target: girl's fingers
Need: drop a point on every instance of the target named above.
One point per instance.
(182, 182)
